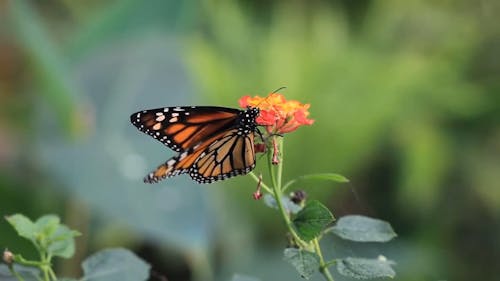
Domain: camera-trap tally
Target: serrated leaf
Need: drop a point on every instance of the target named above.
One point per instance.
(325, 176)
(306, 263)
(23, 226)
(363, 229)
(115, 265)
(361, 268)
(311, 220)
(27, 273)
(239, 277)
(287, 203)
(47, 225)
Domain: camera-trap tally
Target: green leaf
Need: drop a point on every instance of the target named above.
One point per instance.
(306, 263)
(62, 243)
(115, 265)
(311, 220)
(238, 277)
(27, 273)
(322, 176)
(23, 226)
(47, 225)
(361, 268)
(325, 176)
(287, 203)
(363, 229)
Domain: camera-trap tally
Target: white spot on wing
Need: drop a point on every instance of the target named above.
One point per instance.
(183, 155)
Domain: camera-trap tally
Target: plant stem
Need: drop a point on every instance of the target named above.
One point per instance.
(280, 164)
(45, 266)
(278, 195)
(262, 184)
(323, 267)
(14, 273)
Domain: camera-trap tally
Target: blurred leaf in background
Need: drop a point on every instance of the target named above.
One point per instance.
(404, 94)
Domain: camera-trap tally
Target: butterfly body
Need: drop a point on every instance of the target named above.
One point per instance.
(214, 143)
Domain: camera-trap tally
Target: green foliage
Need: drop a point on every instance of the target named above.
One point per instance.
(363, 229)
(307, 226)
(305, 262)
(311, 220)
(115, 265)
(51, 238)
(323, 176)
(47, 234)
(360, 268)
(285, 200)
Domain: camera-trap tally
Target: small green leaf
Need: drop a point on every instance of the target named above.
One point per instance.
(306, 263)
(238, 277)
(46, 225)
(23, 226)
(311, 220)
(360, 268)
(287, 203)
(325, 176)
(62, 243)
(115, 265)
(363, 229)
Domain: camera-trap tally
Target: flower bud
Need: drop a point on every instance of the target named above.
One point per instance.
(298, 196)
(257, 195)
(8, 257)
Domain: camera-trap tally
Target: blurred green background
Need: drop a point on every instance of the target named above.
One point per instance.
(405, 95)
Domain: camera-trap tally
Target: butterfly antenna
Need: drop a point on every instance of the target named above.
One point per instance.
(274, 92)
(279, 89)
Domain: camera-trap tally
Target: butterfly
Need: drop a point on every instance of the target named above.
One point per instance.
(213, 143)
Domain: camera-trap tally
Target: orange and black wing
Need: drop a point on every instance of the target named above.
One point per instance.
(214, 143)
(223, 156)
(231, 155)
(183, 127)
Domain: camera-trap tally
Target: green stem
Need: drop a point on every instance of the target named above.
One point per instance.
(20, 260)
(278, 195)
(262, 184)
(323, 267)
(330, 263)
(14, 273)
(280, 164)
(271, 168)
(45, 266)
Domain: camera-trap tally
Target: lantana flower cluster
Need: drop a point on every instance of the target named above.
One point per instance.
(278, 115)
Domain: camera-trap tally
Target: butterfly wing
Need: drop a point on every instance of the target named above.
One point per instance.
(214, 143)
(182, 127)
(231, 155)
(222, 156)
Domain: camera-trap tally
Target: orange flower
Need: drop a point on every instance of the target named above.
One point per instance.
(278, 115)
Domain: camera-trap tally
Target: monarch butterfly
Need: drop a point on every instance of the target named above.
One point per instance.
(214, 143)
